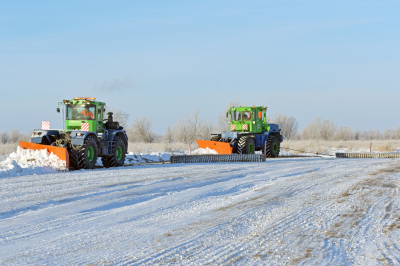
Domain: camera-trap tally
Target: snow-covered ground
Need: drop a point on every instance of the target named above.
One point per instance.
(318, 211)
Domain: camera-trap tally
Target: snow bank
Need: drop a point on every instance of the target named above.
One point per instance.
(30, 162)
(147, 158)
(204, 151)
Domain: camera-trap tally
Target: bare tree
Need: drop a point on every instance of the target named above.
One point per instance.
(389, 134)
(319, 129)
(4, 137)
(169, 136)
(371, 135)
(140, 130)
(343, 133)
(191, 128)
(397, 132)
(118, 116)
(15, 136)
(287, 124)
(223, 122)
(357, 134)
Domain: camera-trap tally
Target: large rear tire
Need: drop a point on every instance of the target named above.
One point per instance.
(273, 147)
(117, 158)
(246, 145)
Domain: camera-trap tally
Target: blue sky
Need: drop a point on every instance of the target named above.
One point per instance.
(339, 60)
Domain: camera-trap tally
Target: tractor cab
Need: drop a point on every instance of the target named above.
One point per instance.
(83, 114)
(248, 119)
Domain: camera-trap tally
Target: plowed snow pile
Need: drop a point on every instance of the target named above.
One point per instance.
(30, 162)
(137, 158)
(204, 151)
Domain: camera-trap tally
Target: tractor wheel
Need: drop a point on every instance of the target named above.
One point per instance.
(216, 138)
(117, 158)
(246, 145)
(76, 157)
(85, 156)
(90, 153)
(273, 147)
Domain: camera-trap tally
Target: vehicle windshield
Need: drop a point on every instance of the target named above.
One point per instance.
(81, 112)
(235, 115)
(246, 116)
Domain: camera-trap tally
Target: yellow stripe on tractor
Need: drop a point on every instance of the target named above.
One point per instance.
(61, 153)
(220, 147)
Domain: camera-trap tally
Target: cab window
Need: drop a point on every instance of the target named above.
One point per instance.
(81, 112)
(235, 115)
(246, 116)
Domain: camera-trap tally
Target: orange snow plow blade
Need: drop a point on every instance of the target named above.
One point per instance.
(220, 147)
(62, 153)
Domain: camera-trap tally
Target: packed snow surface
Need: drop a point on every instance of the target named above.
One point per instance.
(285, 211)
(28, 162)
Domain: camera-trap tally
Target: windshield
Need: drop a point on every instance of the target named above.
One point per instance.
(246, 116)
(235, 115)
(80, 112)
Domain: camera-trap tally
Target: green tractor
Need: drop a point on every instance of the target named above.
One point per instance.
(85, 137)
(249, 132)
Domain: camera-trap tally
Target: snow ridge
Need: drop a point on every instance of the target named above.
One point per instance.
(30, 162)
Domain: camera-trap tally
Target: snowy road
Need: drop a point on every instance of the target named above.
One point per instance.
(284, 211)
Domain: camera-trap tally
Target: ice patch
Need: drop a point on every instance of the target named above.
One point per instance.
(29, 162)
(204, 151)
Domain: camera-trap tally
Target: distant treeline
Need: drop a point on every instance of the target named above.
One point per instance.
(13, 137)
(192, 127)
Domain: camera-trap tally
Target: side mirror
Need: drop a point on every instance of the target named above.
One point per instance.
(227, 114)
(58, 110)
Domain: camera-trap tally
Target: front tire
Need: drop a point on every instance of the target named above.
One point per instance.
(90, 153)
(83, 156)
(246, 145)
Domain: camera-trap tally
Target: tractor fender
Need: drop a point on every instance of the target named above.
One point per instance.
(78, 137)
(112, 133)
(261, 139)
(274, 128)
(275, 131)
(39, 134)
(225, 135)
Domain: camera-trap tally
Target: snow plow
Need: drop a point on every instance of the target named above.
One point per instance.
(220, 147)
(61, 153)
(249, 132)
(85, 136)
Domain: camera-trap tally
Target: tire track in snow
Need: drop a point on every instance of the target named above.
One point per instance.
(284, 224)
(276, 209)
(218, 251)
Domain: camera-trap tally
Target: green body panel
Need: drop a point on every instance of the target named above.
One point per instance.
(254, 122)
(74, 123)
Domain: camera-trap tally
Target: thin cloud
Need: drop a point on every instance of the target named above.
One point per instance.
(115, 84)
